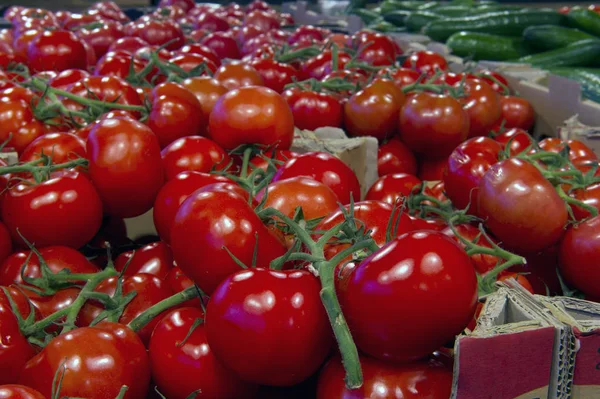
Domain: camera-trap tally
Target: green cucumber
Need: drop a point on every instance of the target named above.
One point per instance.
(504, 23)
(585, 20)
(381, 25)
(391, 5)
(483, 46)
(416, 20)
(589, 80)
(452, 10)
(367, 16)
(396, 17)
(550, 37)
(579, 54)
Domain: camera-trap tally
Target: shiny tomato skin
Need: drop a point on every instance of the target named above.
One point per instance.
(160, 33)
(155, 258)
(395, 157)
(275, 75)
(264, 20)
(589, 196)
(430, 118)
(65, 210)
(322, 65)
(129, 43)
(465, 168)
(519, 140)
(312, 110)
(392, 188)
(175, 113)
(492, 78)
(315, 198)
(482, 263)
(197, 48)
(292, 296)
(401, 76)
(105, 356)
(222, 44)
(578, 256)
(256, 115)
(261, 161)
(211, 22)
(14, 391)
(210, 219)
(426, 62)
(6, 247)
(207, 90)
(517, 112)
(172, 195)
(107, 88)
(125, 165)
(578, 151)
(101, 37)
(56, 50)
(62, 147)
(511, 193)
(182, 363)
(416, 268)
(67, 78)
(327, 169)
(416, 380)
(482, 104)
(379, 50)
(17, 121)
(238, 74)
(193, 153)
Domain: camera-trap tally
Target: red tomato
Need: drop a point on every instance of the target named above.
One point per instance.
(237, 74)
(263, 20)
(378, 50)
(408, 381)
(578, 151)
(374, 110)
(492, 78)
(186, 5)
(306, 31)
(482, 263)
(197, 48)
(101, 37)
(64, 210)
(222, 44)
(325, 168)
(224, 220)
(106, 88)
(118, 64)
(172, 195)
(395, 157)
(61, 147)
(15, 350)
(178, 281)
(193, 153)
(17, 121)
(159, 33)
(517, 112)
(391, 188)
(260, 299)
(519, 140)
(175, 113)
(432, 169)
(252, 114)
(315, 198)
(56, 50)
(275, 75)
(6, 246)
(67, 78)
(261, 161)
(125, 165)
(520, 278)
(465, 168)
(426, 62)
(482, 104)
(430, 118)
(511, 193)
(312, 110)
(182, 361)
(401, 76)
(155, 258)
(106, 357)
(211, 22)
(407, 278)
(14, 391)
(322, 65)
(207, 90)
(129, 44)
(589, 196)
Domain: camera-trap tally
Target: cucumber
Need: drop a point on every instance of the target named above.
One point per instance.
(483, 46)
(589, 79)
(380, 25)
(367, 16)
(396, 17)
(391, 5)
(505, 23)
(578, 54)
(452, 10)
(550, 37)
(416, 20)
(585, 20)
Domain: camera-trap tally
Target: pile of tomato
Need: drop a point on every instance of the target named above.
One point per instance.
(271, 275)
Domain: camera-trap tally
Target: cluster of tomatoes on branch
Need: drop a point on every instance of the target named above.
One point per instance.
(265, 258)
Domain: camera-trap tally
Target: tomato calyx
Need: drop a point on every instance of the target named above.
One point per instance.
(41, 169)
(286, 56)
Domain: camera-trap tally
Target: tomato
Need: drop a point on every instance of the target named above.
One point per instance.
(517, 112)
(482, 263)
(263, 20)
(275, 75)
(378, 50)
(17, 121)
(129, 44)
(374, 110)
(252, 114)
(125, 165)
(106, 357)
(178, 281)
(172, 195)
(511, 193)
(437, 191)
(401, 76)
(106, 88)
(15, 350)
(182, 361)
(61, 147)
(589, 196)
(196, 48)
(118, 64)
(211, 22)
(322, 65)
(306, 31)
(431, 169)
(430, 118)
(417, 380)
(159, 33)
(6, 247)
(56, 50)
(193, 153)
(186, 5)
(408, 277)
(578, 151)
(101, 37)
(426, 62)
(207, 90)
(244, 321)
(14, 391)
(237, 74)
(394, 187)
(222, 44)
(541, 271)
(482, 104)
(110, 10)
(46, 305)
(394, 156)
(312, 109)
(57, 258)
(210, 220)
(492, 78)
(64, 210)
(261, 161)
(258, 5)
(519, 140)
(466, 166)
(327, 169)
(520, 278)
(315, 198)
(155, 258)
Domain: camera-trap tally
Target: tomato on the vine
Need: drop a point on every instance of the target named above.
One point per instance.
(61, 147)
(155, 258)
(426, 62)
(14, 391)
(393, 188)
(56, 50)
(395, 157)
(312, 109)
(517, 112)
(193, 153)
(207, 90)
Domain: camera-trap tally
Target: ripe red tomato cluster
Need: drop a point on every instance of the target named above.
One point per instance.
(261, 252)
